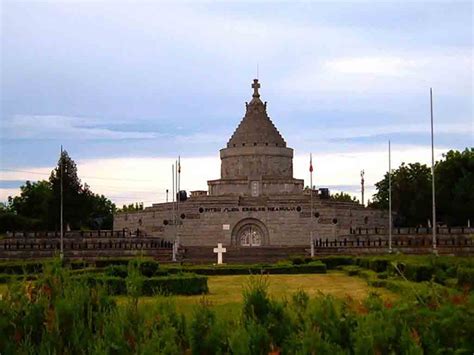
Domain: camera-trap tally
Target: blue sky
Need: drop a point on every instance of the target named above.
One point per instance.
(134, 84)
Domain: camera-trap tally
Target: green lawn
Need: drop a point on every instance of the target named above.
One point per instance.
(225, 292)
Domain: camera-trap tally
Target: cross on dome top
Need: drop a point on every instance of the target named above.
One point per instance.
(255, 87)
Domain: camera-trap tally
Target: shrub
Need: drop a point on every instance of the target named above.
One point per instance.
(298, 260)
(116, 271)
(333, 262)
(21, 267)
(102, 263)
(378, 264)
(351, 270)
(206, 336)
(148, 268)
(418, 272)
(280, 268)
(187, 284)
(465, 277)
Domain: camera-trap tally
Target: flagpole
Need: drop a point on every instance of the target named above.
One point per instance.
(311, 199)
(173, 220)
(389, 199)
(433, 175)
(61, 253)
(177, 206)
(179, 197)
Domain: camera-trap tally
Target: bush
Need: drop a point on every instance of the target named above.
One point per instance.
(117, 271)
(418, 272)
(332, 262)
(314, 267)
(148, 268)
(102, 263)
(206, 334)
(21, 267)
(177, 285)
(298, 260)
(351, 270)
(465, 277)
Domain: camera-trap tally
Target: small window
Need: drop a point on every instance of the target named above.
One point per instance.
(298, 208)
(183, 216)
(366, 219)
(165, 222)
(334, 220)
(234, 145)
(254, 144)
(254, 189)
(140, 222)
(266, 143)
(201, 210)
(243, 144)
(316, 214)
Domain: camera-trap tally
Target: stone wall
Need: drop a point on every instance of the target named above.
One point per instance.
(84, 245)
(208, 220)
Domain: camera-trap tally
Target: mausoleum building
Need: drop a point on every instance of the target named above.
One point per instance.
(257, 201)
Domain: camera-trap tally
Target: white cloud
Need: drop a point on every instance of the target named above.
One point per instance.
(397, 72)
(127, 180)
(54, 127)
(392, 66)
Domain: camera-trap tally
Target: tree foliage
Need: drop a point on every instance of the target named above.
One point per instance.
(38, 205)
(344, 197)
(412, 191)
(138, 206)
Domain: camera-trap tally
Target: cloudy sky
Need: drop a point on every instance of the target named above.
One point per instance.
(127, 86)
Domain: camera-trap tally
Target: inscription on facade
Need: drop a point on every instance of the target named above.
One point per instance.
(251, 209)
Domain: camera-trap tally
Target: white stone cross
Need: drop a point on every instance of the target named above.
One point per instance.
(219, 250)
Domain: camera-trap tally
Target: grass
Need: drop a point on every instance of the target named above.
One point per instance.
(225, 292)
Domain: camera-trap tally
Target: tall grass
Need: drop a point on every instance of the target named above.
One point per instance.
(60, 315)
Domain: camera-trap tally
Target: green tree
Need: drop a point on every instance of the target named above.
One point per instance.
(81, 207)
(74, 202)
(454, 180)
(411, 191)
(33, 202)
(100, 210)
(138, 206)
(344, 197)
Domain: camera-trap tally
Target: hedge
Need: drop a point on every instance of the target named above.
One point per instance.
(182, 285)
(116, 271)
(21, 267)
(333, 262)
(177, 285)
(314, 267)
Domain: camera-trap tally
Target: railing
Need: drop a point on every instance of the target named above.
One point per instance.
(396, 242)
(411, 230)
(113, 244)
(123, 233)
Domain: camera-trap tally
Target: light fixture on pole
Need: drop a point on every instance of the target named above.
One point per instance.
(61, 252)
(435, 251)
(311, 202)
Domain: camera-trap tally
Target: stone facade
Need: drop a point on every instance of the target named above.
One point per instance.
(256, 202)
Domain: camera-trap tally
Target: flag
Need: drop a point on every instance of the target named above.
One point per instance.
(310, 163)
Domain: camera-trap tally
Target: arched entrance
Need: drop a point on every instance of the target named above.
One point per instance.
(250, 232)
